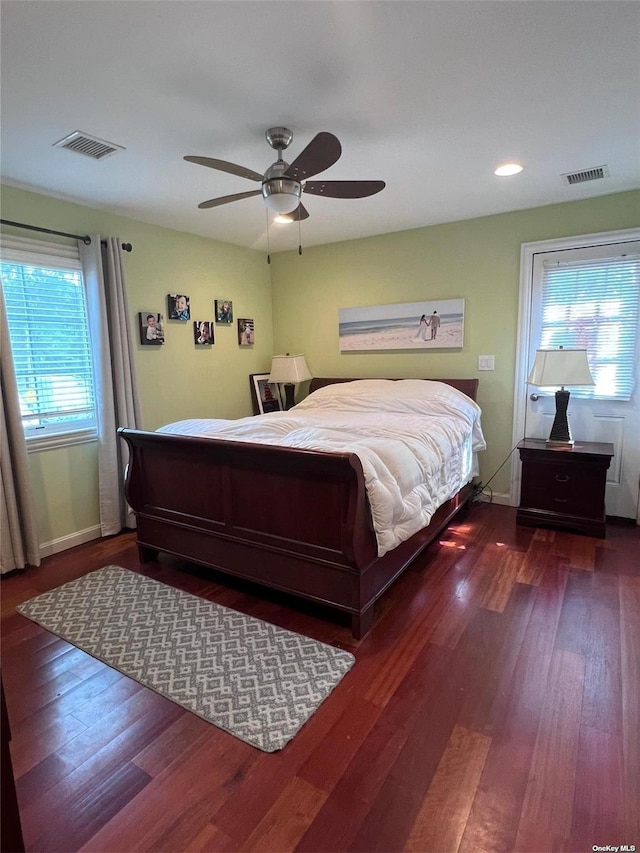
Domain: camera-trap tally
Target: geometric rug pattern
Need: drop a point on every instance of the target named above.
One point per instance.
(256, 681)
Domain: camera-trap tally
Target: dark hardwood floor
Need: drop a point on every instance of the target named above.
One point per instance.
(495, 706)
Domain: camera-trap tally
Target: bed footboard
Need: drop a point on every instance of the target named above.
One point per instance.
(289, 519)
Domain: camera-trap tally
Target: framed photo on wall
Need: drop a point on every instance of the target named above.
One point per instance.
(203, 332)
(265, 395)
(224, 311)
(151, 328)
(245, 332)
(178, 306)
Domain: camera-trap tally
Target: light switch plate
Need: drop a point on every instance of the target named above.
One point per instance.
(486, 362)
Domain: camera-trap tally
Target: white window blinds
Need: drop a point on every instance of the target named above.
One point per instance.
(46, 310)
(594, 304)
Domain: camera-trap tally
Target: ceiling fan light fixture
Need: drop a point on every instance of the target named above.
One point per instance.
(281, 195)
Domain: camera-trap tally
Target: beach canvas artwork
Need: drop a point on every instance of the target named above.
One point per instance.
(431, 324)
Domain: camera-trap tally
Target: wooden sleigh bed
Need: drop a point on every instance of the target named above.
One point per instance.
(290, 519)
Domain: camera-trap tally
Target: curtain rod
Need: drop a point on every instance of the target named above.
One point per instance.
(127, 247)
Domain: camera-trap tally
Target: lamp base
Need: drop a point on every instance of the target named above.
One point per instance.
(289, 396)
(560, 435)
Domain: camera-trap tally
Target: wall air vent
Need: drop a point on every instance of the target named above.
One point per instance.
(90, 146)
(584, 175)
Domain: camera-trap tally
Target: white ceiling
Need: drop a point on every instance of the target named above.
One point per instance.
(428, 96)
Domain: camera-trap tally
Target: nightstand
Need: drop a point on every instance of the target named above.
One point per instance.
(564, 486)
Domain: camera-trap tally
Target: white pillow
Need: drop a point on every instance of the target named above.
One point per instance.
(421, 396)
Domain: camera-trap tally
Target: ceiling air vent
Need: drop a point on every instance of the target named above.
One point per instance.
(90, 146)
(594, 174)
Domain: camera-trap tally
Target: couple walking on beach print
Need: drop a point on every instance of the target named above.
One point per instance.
(433, 322)
(440, 325)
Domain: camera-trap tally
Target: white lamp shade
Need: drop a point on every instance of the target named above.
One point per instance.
(289, 368)
(560, 367)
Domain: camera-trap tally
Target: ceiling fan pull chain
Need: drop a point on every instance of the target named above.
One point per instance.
(299, 236)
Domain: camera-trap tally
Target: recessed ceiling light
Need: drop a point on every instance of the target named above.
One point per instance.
(508, 169)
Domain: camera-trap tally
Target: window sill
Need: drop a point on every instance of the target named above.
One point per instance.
(63, 439)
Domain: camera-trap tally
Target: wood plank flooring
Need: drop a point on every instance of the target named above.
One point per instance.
(495, 706)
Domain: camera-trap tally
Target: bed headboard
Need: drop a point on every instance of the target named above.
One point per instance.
(467, 386)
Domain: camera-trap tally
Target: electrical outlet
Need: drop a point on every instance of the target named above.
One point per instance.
(486, 362)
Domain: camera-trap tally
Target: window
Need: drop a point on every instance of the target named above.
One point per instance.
(47, 314)
(591, 301)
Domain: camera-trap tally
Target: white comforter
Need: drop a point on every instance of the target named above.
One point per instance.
(416, 440)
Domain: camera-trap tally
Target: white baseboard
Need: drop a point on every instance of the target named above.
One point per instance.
(496, 498)
(70, 541)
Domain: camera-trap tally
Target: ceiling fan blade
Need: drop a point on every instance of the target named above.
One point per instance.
(225, 199)
(297, 215)
(223, 166)
(322, 152)
(344, 189)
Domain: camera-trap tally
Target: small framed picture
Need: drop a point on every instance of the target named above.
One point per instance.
(265, 395)
(245, 332)
(224, 311)
(179, 306)
(151, 328)
(203, 332)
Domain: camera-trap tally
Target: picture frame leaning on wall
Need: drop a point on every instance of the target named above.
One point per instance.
(265, 395)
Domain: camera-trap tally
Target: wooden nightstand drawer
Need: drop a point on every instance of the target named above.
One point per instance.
(564, 487)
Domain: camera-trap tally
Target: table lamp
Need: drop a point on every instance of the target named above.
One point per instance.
(289, 370)
(553, 367)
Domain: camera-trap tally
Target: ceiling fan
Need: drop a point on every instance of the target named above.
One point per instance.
(284, 183)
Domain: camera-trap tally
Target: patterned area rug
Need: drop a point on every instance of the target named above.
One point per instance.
(252, 679)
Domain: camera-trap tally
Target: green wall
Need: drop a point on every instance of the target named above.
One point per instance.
(476, 259)
(177, 380)
(296, 310)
